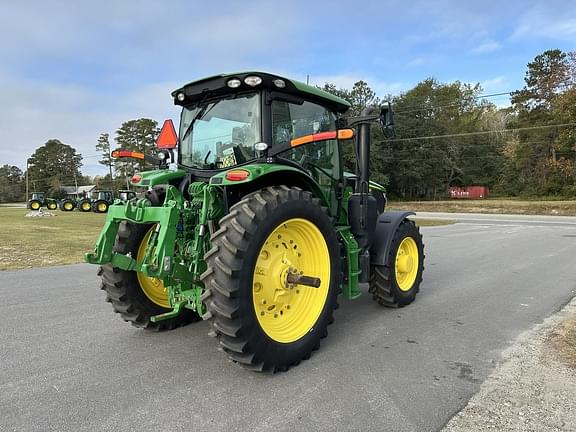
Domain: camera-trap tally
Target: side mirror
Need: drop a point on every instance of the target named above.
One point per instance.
(387, 120)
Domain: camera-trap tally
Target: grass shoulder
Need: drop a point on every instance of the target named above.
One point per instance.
(492, 206)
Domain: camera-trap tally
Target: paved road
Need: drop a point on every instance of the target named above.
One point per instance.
(69, 364)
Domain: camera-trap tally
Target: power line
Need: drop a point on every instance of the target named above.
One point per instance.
(421, 108)
(482, 96)
(483, 132)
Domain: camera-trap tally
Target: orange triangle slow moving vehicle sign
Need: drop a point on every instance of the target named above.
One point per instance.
(167, 138)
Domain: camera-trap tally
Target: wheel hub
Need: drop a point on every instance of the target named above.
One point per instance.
(406, 264)
(287, 311)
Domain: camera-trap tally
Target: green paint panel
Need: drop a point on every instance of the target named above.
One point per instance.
(256, 171)
(156, 177)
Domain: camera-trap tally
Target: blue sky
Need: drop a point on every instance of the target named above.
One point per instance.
(74, 69)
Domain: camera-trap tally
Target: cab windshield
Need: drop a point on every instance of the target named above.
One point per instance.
(221, 133)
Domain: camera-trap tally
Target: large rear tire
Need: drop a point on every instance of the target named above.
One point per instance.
(263, 322)
(51, 205)
(134, 296)
(35, 205)
(397, 283)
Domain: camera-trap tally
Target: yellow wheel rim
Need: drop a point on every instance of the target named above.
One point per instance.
(68, 206)
(34, 206)
(152, 287)
(51, 206)
(86, 206)
(406, 265)
(102, 207)
(287, 312)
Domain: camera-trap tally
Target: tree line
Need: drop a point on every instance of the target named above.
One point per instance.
(446, 134)
(56, 164)
(449, 134)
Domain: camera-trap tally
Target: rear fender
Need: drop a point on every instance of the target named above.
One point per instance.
(263, 175)
(388, 223)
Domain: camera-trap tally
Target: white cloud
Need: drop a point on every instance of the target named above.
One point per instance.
(34, 112)
(418, 61)
(486, 47)
(551, 23)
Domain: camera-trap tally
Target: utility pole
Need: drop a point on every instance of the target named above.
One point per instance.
(27, 188)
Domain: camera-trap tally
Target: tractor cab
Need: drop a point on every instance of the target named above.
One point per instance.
(38, 196)
(104, 195)
(126, 195)
(233, 120)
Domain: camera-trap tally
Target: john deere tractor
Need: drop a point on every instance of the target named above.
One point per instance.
(102, 201)
(38, 200)
(253, 225)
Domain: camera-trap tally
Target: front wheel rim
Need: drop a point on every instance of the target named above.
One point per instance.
(102, 207)
(286, 312)
(406, 264)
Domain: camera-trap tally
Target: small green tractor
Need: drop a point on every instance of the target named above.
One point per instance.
(38, 200)
(103, 199)
(99, 203)
(253, 224)
(69, 202)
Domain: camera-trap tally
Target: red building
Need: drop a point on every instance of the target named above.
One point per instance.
(469, 192)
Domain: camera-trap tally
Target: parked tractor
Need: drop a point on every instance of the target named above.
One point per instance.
(103, 199)
(84, 204)
(38, 200)
(254, 226)
(69, 202)
(126, 195)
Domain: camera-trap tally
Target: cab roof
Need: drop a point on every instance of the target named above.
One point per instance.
(217, 85)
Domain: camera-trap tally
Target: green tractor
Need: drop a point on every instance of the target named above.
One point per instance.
(69, 202)
(84, 204)
(38, 200)
(102, 200)
(126, 195)
(254, 226)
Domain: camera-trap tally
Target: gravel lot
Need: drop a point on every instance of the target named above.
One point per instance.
(533, 389)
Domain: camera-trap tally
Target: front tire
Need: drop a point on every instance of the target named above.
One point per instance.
(100, 207)
(85, 206)
(35, 205)
(67, 205)
(134, 296)
(397, 283)
(261, 321)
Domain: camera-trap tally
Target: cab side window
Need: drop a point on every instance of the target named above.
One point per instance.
(321, 159)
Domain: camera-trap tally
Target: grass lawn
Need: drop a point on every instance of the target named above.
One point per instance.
(433, 222)
(44, 241)
(496, 206)
(29, 242)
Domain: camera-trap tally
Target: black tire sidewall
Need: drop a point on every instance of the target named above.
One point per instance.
(132, 284)
(277, 352)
